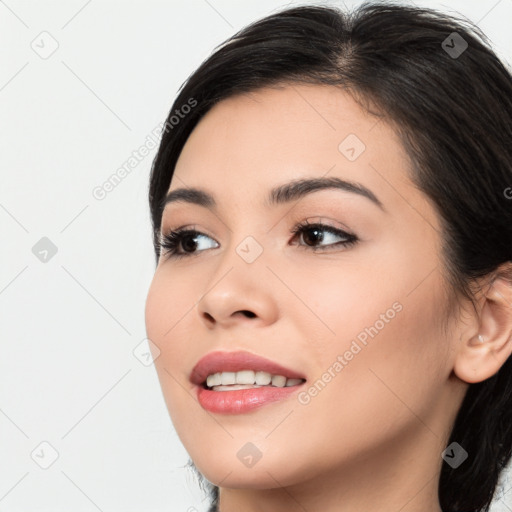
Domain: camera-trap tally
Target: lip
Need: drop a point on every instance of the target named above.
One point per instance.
(222, 361)
(240, 400)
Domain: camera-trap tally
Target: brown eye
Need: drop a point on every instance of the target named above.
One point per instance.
(187, 238)
(314, 234)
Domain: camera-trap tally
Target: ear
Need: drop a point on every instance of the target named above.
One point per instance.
(487, 344)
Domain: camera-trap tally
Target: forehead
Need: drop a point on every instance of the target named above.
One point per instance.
(293, 125)
(249, 143)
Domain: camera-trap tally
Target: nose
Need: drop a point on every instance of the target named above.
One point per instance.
(238, 293)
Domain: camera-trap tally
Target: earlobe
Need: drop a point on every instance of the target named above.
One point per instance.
(482, 353)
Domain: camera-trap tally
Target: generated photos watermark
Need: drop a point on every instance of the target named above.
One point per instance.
(100, 192)
(342, 361)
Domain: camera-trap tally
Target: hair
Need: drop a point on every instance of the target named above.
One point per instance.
(453, 114)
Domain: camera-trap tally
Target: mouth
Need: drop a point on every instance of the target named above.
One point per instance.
(237, 382)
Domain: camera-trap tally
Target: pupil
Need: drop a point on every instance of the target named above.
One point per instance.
(317, 238)
(192, 247)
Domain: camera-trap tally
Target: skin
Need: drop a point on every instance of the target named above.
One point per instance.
(372, 438)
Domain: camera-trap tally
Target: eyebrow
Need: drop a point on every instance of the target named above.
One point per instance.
(281, 194)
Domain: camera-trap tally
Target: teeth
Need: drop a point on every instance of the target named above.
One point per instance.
(214, 380)
(245, 377)
(227, 378)
(279, 381)
(248, 378)
(263, 378)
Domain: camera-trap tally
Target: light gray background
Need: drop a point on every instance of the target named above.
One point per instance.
(70, 325)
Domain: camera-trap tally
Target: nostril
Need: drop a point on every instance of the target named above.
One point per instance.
(209, 317)
(245, 312)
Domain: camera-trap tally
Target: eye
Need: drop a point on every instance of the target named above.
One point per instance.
(313, 234)
(187, 239)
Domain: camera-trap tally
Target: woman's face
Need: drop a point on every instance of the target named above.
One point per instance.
(361, 322)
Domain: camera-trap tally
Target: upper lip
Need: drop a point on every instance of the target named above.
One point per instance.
(221, 361)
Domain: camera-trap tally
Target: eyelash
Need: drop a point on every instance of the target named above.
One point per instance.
(172, 239)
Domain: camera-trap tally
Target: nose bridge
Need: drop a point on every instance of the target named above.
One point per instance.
(245, 249)
(239, 282)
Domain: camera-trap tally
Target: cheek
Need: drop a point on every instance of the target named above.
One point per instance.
(379, 354)
(387, 357)
(386, 296)
(168, 304)
(339, 306)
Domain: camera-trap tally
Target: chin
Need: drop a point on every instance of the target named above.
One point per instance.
(226, 473)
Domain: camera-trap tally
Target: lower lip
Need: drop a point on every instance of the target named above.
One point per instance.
(242, 400)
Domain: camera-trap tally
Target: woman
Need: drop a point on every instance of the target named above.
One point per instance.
(332, 302)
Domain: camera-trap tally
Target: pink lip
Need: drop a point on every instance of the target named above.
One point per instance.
(241, 400)
(220, 361)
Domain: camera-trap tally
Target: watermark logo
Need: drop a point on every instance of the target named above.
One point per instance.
(44, 250)
(249, 249)
(45, 45)
(454, 455)
(146, 352)
(249, 454)
(454, 45)
(351, 147)
(44, 455)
